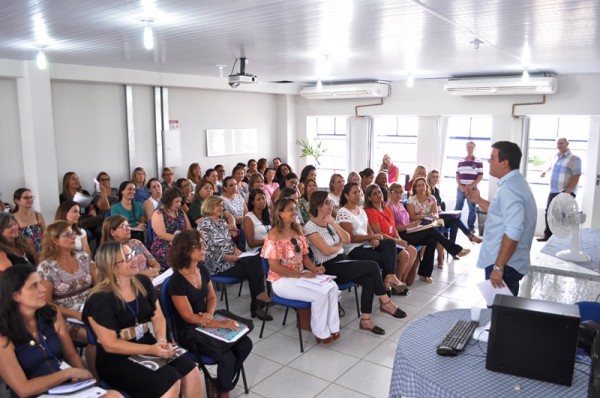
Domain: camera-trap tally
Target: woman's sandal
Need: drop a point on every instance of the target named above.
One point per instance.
(397, 313)
(260, 314)
(475, 239)
(375, 329)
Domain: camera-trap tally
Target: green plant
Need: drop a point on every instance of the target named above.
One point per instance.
(314, 151)
(537, 160)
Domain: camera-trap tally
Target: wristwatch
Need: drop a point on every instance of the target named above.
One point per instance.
(496, 268)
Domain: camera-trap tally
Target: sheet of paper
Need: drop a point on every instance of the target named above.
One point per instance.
(489, 292)
(161, 278)
(83, 200)
(249, 253)
(482, 333)
(71, 387)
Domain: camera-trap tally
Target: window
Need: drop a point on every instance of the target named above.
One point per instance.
(332, 131)
(460, 130)
(396, 136)
(543, 133)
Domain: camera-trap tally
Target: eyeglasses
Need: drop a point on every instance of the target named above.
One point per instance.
(126, 227)
(68, 234)
(198, 246)
(104, 179)
(398, 192)
(27, 197)
(327, 202)
(296, 245)
(126, 258)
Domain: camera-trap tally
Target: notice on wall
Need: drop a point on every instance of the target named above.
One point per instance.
(223, 142)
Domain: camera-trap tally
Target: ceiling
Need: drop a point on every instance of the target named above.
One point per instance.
(287, 40)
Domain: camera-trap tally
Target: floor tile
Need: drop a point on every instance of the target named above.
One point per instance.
(324, 363)
(367, 378)
(288, 382)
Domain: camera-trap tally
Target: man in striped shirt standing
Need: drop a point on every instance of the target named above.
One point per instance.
(468, 174)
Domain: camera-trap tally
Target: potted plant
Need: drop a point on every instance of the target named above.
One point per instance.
(311, 151)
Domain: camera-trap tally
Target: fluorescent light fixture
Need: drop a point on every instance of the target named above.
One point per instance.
(148, 38)
(42, 62)
(410, 82)
(319, 86)
(526, 56)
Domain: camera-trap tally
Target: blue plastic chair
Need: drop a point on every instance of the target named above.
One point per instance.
(589, 311)
(294, 304)
(224, 281)
(348, 286)
(168, 309)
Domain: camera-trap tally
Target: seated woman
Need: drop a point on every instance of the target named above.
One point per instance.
(270, 184)
(353, 219)
(382, 182)
(382, 222)
(257, 222)
(239, 174)
(280, 172)
(287, 252)
(327, 239)
(204, 189)
(194, 174)
(168, 176)
(31, 222)
(138, 177)
(392, 170)
(90, 219)
(68, 275)
(289, 181)
(420, 171)
(186, 191)
(117, 228)
(14, 247)
(195, 301)
(422, 205)
(167, 221)
(34, 340)
(212, 176)
(261, 165)
(309, 172)
(222, 256)
(130, 209)
(153, 202)
(121, 310)
(303, 202)
(252, 169)
(429, 238)
(257, 181)
(233, 200)
(106, 195)
(336, 186)
(70, 212)
(433, 178)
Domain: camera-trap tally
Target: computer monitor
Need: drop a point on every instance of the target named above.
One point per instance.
(533, 338)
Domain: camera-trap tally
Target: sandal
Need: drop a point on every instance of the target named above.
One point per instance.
(475, 239)
(463, 253)
(260, 314)
(375, 329)
(397, 313)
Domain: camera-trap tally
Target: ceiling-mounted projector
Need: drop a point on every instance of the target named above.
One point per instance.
(242, 77)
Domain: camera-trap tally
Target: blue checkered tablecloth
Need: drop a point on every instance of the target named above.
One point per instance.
(420, 372)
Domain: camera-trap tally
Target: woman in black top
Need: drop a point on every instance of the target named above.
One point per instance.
(195, 301)
(14, 247)
(119, 311)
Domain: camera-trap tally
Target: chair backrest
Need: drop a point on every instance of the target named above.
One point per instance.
(589, 311)
(150, 234)
(166, 304)
(265, 265)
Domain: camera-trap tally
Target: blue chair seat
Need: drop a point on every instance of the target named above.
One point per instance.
(589, 311)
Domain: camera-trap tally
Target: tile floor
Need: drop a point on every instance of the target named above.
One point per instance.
(360, 363)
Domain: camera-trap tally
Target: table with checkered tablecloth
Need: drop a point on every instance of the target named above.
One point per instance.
(420, 372)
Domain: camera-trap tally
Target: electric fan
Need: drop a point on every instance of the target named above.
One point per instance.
(565, 219)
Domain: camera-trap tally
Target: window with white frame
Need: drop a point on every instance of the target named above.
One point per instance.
(332, 131)
(397, 137)
(460, 130)
(543, 133)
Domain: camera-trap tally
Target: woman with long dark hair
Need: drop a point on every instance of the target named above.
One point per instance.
(31, 222)
(69, 211)
(14, 247)
(257, 222)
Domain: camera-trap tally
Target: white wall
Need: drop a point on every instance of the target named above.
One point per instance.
(11, 157)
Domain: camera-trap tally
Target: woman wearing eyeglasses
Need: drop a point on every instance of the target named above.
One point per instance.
(121, 311)
(188, 193)
(223, 257)
(70, 211)
(68, 276)
(14, 247)
(327, 239)
(195, 302)
(130, 209)
(31, 222)
(287, 252)
(117, 228)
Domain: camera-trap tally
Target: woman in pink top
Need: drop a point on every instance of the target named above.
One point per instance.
(287, 251)
(388, 166)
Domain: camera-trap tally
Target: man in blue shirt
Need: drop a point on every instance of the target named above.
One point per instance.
(566, 170)
(511, 220)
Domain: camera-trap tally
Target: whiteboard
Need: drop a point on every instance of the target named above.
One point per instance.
(223, 142)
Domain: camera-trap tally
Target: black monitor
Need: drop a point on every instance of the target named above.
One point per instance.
(533, 338)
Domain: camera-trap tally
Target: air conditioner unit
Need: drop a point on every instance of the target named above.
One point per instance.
(502, 86)
(348, 90)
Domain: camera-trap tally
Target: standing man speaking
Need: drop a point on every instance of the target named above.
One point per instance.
(511, 219)
(566, 170)
(468, 174)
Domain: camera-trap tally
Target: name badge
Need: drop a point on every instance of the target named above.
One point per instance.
(139, 331)
(391, 230)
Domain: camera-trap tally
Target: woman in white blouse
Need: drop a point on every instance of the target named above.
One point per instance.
(70, 211)
(257, 222)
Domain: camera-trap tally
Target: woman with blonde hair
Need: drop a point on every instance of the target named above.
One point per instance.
(194, 175)
(138, 177)
(388, 166)
(121, 310)
(420, 171)
(117, 228)
(168, 176)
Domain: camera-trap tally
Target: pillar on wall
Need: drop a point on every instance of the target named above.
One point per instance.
(360, 131)
(34, 97)
(591, 177)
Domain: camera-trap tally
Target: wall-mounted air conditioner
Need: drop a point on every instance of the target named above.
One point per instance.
(502, 85)
(347, 90)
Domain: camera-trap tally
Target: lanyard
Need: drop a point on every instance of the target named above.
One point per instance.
(46, 347)
(137, 309)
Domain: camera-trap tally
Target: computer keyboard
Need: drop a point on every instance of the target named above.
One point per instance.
(457, 337)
